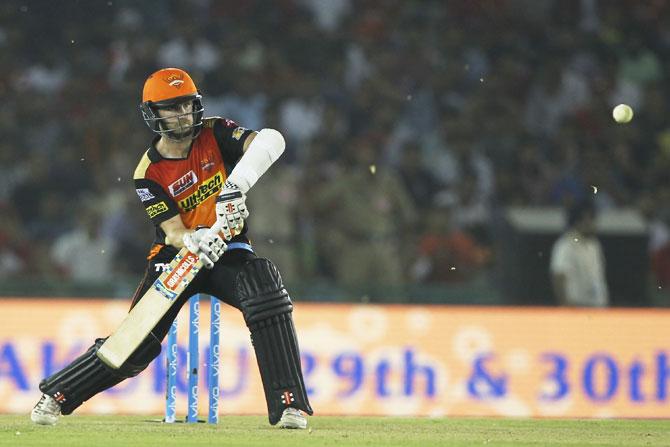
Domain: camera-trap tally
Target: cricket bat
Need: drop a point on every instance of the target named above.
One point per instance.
(153, 305)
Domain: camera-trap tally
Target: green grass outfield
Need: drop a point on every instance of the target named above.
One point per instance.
(93, 431)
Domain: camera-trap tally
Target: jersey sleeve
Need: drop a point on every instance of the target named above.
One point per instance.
(158, 205)
(230, 139)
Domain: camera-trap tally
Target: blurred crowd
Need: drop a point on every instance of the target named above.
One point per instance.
(409, 124)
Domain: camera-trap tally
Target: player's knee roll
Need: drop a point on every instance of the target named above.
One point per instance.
(261, 291)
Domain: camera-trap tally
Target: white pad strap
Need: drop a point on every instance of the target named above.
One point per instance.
(265, 149)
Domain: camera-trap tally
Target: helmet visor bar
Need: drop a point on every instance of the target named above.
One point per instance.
(174, 126)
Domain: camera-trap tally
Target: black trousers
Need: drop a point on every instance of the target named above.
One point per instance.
(218, 282)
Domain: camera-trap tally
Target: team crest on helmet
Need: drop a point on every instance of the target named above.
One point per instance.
(175, 80)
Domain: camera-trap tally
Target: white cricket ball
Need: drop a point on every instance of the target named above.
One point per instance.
(622, 113)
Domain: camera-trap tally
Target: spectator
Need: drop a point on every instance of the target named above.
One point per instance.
(274, 205)
(446, 253)
(419, 181)
(364, 216)
(84, 254)
(483, 79)
(14, 247)
(188, 50)
(577, 261)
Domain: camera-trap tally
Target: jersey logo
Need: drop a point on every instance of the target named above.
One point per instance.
(183, 183)
(238, 132)
(208, 188)
(155, 210)
(144, 194)
(206, 164)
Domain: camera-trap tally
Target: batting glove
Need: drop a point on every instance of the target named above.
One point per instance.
(206, 244)
(231, 210)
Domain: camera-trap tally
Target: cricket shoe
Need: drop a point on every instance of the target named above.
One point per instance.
(292, 418)
(46, 412)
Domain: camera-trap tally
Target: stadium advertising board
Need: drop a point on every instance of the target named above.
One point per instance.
(377, 360)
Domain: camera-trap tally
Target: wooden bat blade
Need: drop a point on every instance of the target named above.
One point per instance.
(149, 310)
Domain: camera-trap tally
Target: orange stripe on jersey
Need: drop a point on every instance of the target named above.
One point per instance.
(154, 250)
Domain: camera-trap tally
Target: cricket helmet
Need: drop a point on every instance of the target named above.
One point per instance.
(167, 88)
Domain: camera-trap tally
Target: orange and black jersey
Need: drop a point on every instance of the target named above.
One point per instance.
(188, 186)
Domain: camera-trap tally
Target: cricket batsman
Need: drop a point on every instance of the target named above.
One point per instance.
(193, 181)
